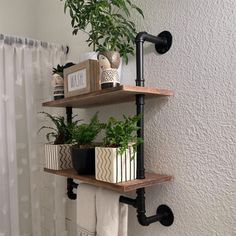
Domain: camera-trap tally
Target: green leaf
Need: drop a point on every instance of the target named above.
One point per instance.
(122, 133)
(139, 10)
(75, 31)
(71, 13)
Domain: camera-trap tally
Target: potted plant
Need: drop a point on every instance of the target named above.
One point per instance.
(83, 153)
(116, 159)
(109, 28)
(57, 152)
(58, 80)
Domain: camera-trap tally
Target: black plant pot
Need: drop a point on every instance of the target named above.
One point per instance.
(109, 85)
(83, 160)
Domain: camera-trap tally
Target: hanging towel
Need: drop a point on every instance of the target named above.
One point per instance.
(86, 210)
(112, 216)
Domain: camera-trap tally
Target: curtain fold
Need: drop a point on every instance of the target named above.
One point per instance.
(25, 71)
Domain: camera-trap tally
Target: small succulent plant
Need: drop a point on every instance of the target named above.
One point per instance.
(60, 68)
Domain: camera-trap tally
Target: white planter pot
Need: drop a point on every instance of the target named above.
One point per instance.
(58, 157)
(58, 86)
(111, 167)
(88, 55)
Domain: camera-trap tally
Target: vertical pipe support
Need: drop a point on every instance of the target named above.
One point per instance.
(140, 107)
(70, 186)
(163, 213)
(69, 114)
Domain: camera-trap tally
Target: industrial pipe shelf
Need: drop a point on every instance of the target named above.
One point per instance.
(122, 94)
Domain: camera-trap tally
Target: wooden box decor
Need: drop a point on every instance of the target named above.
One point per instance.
(81, 78)
(58, 157)
(114, 168)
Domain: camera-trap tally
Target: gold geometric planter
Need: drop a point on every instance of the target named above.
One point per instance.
(114, 168)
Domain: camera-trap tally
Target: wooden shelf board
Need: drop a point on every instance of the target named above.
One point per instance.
(120, 94)
(150, 180)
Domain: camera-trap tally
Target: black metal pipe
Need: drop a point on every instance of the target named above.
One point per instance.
(144, 36)
(141, 210)
(140, 134)
(70, 186)
(69, 114)
(139, 204)
(129, 201)
(70, 183)
(140, 98)
(162, 44)
(139, 62)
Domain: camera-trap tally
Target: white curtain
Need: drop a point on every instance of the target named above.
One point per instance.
(25, 71)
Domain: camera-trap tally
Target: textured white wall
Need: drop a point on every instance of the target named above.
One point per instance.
(17, 17)
(191, 135)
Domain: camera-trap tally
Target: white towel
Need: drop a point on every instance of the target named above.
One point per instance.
(112, 216)
(86, 210)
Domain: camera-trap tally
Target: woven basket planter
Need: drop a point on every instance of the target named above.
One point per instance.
(58, 157)
(114, 168)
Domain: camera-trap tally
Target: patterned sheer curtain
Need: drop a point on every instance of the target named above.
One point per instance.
(25, 71)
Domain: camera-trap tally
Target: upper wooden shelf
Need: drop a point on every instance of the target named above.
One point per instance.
(150, 180)
(120, 94)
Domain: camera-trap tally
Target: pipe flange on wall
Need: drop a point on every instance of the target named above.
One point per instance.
(165, 214)
(167, 38)
(162, 41)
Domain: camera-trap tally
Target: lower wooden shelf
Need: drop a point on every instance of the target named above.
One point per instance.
(150, 180)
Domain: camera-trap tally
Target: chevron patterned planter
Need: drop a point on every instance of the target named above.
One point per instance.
(58, 157)
(114, 168)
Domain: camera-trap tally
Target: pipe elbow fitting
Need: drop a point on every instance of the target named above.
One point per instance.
(141, 36)
(142, 219)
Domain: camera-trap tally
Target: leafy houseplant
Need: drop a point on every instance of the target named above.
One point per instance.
(84, 134)
(58, 81)
(122, 134)
(62, 133)
(119, 150)
(106, 22)
(60, 68)
(57, 151)
(83, 153)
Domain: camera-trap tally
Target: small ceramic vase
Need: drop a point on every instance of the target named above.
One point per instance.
(109, 62)
(58, 86)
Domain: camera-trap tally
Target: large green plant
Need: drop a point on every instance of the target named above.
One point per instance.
(122, 134)
(62, 131)
(106, 22)
(84, 134)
